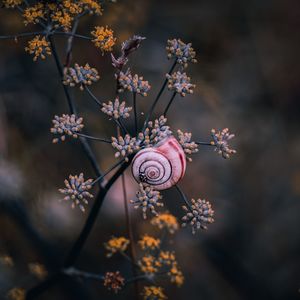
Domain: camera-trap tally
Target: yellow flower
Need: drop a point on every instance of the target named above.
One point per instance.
(176, 275)
(39, 47)
(167, 257)
(72, 7)
(116, 244)
(38, 270)
(153, 293)
(91, 5)
(104, 39)
(149, 264)
(16, 294)
(149, 242)
(34, 13)
(167, 221)
(63, 18)
(12, 3)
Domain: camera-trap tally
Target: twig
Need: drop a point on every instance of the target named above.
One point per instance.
(19, 35)
(169, 104)
(183, 196)
(94, 138)
(93, 96)
(71, 34)
(158, 97)
(86, 275)
(204, 143)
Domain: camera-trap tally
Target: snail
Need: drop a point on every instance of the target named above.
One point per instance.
(161, 166)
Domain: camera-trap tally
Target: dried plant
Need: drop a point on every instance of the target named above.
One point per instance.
(152, 262)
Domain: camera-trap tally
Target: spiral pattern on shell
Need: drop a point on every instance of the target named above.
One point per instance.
(161, 166)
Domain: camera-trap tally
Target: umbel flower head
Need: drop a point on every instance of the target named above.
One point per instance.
(183, 53)
(39, 47)
(149, 242)
(125, 146)
(12, 3)
(81, 75)
(147, 198)
(103, 38)
(116, 109)
(155, 132)
(33, 14)
(149, 264)
(16, 294)
(114, 281)
(220, 140)
(153, 293)
(116, 244)
(135, 83)
(66, 125)
(198, 215)
(180, 83)
(38, 270)
(188, 146)
(166, 220)
(77, 190)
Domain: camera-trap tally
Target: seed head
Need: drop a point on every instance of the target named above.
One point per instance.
(125, 145)
(135, 83)
(116, 109)
(76, 190)
(147, 198)
(182, 52)
(81, 75)
(221, 141)
(188, 146)
(198, 215)
(66, 125)
(180, 83)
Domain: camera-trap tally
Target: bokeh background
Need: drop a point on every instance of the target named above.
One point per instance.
(247, 79)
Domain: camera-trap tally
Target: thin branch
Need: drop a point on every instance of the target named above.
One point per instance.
(93, 96)
(183, 196)
(158, 97)
(83, 274)
(130, 235)
(169, 104)
(71, 34)
(108, 171)
(94, 138)
(204, 143)
(19, 35)
(78, 245)
(122, 126)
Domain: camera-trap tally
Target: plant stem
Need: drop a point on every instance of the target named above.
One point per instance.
(19, 35)
(169, 104)
(94, 138)
(183, 196)
(86, 275)
(93, 96)
(131, 237)
(108, 171)
(204, 143)
(72, 34)
(158, 97)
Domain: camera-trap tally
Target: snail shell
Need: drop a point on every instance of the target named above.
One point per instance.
(161, 166)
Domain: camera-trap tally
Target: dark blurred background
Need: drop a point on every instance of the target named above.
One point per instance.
(247, 79)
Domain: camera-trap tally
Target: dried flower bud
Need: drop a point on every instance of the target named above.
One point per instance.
(155, 132)
(133, 83)
(220, 140)
(180, 83)
(188, 146)
(81, 75)
(114, 281)
(125, 146)
(66, 125)
(147, 198)
(116, 109)
(76, 190)
(131, 45)
(183, 53)
(198, 215)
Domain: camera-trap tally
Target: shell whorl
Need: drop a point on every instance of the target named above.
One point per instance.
(161, 166)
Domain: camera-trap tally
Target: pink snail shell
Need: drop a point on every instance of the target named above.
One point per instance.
(161, 166)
